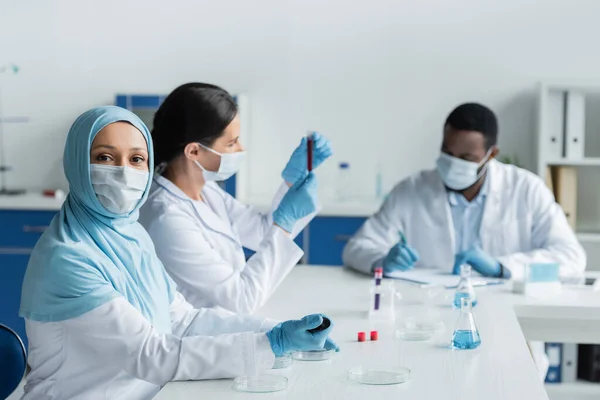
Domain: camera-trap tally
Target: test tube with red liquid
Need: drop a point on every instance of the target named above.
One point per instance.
(309, 150)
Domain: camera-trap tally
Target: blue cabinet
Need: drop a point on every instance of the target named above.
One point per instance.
(19, 232)
(327, 237)
(12, 267)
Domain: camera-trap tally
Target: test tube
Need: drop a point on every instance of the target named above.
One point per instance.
(378, 278)
(309, 150)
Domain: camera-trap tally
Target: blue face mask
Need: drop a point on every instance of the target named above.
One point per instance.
(459, 174)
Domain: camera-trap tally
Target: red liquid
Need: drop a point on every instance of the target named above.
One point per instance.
(309, 146)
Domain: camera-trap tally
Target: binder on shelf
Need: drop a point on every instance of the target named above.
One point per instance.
(554, 353)
(569, 362)
(565, 191)
(553, 126)
(574, 125)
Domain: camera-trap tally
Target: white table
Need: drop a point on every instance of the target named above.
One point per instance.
(500, 369)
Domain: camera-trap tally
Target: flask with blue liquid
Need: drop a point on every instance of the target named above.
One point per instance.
(465, 289)
(466, 334)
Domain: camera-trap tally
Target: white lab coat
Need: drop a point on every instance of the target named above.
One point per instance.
(113, 352)
(521, 224)
(200, 245)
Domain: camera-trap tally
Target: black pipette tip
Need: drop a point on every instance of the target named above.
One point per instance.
(324, 325)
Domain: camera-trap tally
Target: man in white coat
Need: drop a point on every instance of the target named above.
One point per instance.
(471, 209)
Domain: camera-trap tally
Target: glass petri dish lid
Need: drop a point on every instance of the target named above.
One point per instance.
(313, 355)
(414, 335)
(260, 383)
(378, 376)
(283, 362)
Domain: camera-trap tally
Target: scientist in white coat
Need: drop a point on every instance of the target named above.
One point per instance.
(103, 318)
(471, 209)
(198, 229)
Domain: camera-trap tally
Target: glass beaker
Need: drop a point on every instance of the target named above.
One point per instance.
(465, 287)
(466, 335)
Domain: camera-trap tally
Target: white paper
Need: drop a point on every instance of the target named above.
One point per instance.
(436, 277)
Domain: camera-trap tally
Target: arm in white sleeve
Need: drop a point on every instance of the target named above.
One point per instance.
(552, 238)
(375, 238)
(253, 225)
(201, 273)
(117, 332)
(189, 321)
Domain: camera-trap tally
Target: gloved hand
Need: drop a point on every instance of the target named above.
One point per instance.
(293, 335)
(479, 260)
(299, 201)
(401, 257)
(296, 168)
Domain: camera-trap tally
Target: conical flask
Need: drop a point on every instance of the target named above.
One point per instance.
(465, 287)
(466, 334)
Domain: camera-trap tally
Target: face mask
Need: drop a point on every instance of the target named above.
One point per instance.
(458, 174)
(230, 165)
(119, 189)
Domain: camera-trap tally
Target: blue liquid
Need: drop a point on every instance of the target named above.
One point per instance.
(458, 296)
(466, 340)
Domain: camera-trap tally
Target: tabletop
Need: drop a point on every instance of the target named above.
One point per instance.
(501, 368)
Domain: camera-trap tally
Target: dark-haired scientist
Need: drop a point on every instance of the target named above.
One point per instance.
(470, 209)
(197, 228)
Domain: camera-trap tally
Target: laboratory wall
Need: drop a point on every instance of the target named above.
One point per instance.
(378, 77)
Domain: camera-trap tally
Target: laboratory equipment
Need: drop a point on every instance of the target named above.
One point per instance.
(374, 335)
(324, 325)
(465, 287)
(309, 151)
(382, 299)
(539, 280)
(378, 278)
(378, 376)
(414, 335)
(294, 335)
(362, 336)
(283, 362)
(260, 383)
(466, 334)
(343, 183)
(313, 355)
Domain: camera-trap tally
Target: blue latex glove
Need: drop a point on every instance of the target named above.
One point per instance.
(479, 260)
(296, 168)
(401, 257)
(299, 201)
(294, 336)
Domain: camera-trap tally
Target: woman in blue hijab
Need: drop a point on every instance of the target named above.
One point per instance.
(103, 318)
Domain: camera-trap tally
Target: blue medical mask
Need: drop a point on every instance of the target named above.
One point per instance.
(459, 174)
(230, 165)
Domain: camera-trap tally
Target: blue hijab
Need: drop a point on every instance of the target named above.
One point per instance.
(88, 255)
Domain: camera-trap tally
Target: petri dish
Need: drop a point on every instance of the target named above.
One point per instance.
(424, 324)
(414, 335)
(378, 376)
(260, 383)
(313, 355)
(283, 361)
